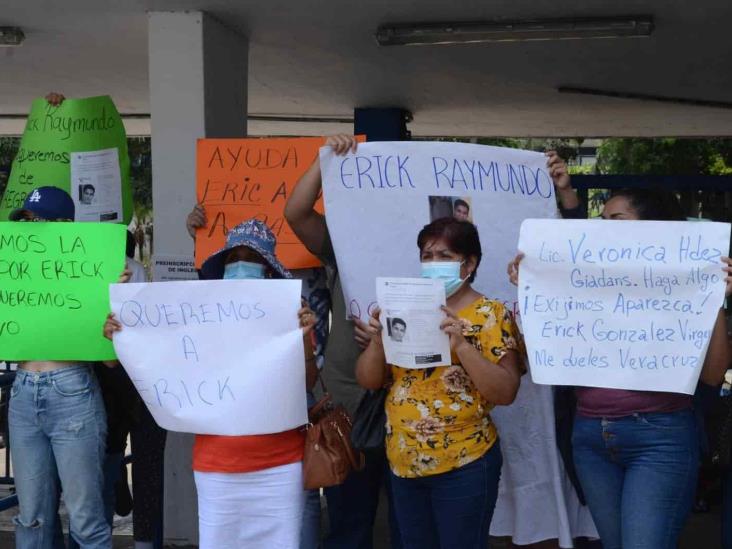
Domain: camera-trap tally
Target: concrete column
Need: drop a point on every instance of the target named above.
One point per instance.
(198, 88)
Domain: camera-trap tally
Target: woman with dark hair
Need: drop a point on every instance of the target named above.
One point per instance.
(441, 444)
(637, 452)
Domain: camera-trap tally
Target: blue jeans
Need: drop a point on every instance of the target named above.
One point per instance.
(310, 534)
(352, 506)
(727, 509)
(57, 432)
(450, 510)
(639, 476)
(112, 470)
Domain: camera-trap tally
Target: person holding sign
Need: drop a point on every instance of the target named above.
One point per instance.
(441, 444)
(250, 488)
(352, 505)
(637, 452)
(57, 429)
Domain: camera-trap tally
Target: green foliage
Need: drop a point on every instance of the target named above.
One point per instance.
(8, 150)
(665, 156)
(581, 170)
(141, 177)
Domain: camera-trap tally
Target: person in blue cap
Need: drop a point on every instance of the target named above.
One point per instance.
(250, 488)
(58, 429)
(45, 204)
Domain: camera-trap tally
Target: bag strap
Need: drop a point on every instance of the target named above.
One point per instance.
(356, 462)
(322, 383)
(319, 406)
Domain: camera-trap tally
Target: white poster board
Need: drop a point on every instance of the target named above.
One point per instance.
(377, 201)
(620, 304)
(221, 357)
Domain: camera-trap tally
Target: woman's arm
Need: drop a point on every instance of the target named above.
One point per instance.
(307, 320)
(307, 223)
(372, 371)
(568, 198)
(499, 382)
(195, 220)
(111, 324)
(718, 356)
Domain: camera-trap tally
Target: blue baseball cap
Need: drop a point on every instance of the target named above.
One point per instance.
(253, 234)
(49, 203)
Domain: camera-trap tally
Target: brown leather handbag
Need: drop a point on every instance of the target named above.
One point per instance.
(329, 457)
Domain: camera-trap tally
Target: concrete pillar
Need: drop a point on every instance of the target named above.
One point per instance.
(198, 88)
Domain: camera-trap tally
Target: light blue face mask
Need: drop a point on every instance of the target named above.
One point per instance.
(241, 270)
(447, 271)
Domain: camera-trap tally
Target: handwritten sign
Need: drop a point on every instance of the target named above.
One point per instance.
(52, 135)
(378, 200)
(221, 357)
(239, 179)
(621, 304)
(54, 280)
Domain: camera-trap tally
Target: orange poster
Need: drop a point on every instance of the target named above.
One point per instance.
(237, 179)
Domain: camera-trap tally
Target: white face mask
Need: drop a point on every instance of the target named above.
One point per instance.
(447, 271)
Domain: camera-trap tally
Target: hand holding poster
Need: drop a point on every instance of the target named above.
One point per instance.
(411, 315)
(626, 305)
(378, 199)
(239, 179)
(54, 296)
(220, 357)
(52, 136)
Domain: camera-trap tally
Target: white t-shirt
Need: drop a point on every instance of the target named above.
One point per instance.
(138, 270)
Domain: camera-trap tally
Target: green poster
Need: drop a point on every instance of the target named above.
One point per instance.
(52, 135)
(54, 289)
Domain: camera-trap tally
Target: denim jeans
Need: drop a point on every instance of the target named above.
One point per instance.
(450, 510)
(352, 506)
(310, 533)
(639, 476)
(112, 470)
(726, 509)
(57, 432)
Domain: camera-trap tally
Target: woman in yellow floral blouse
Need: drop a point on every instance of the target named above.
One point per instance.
(441, 443)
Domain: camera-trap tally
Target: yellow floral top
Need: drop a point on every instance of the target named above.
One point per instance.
(436, 420)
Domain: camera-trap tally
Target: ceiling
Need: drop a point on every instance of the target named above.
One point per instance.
(320, 59)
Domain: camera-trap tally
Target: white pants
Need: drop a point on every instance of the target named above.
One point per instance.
(262, 509)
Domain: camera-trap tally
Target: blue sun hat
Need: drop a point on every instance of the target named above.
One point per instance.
(253, 234)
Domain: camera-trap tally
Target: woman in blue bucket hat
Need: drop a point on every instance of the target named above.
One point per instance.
(249, 249)
(250, 488)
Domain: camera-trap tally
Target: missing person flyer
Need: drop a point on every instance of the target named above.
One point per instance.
(411, 315)
(96, 185)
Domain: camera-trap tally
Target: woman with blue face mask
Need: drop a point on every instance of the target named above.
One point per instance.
(250, 488)
(441, 444)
